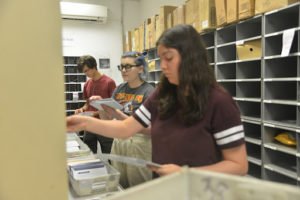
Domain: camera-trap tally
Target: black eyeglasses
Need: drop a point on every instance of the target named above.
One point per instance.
(127, 67)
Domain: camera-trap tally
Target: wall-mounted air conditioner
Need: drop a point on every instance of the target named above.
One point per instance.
(82, 11)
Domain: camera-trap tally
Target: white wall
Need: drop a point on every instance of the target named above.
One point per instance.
(132, 16)
(98, 40)
(106, 40)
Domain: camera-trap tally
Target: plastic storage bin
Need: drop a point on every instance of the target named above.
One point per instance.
(191, 184)
(101, 184)
(83, 148)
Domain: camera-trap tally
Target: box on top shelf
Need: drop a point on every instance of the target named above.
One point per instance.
(136, 39)
(205, 185)
(262, 6)
(231, 10)
(170, 20)
(157, 30)
(132, 41)
(246, 8)
(163, 18)
(152, 38)
(147, 31)
(179, 15)
(207, 14)
(192, 13)
(141, 38)
(128, 46)
(220, 12)
(249, 49)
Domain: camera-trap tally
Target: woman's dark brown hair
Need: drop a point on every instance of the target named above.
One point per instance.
(196, 77)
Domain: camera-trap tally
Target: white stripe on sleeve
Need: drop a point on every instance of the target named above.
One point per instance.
(229, 139)
(142, 117)
(229, 131)
(145, 111)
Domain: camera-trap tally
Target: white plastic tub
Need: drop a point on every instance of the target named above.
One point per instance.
(191, 184)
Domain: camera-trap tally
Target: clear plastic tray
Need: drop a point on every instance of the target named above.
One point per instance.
(84, 150)
(191, 184)
(102, 184)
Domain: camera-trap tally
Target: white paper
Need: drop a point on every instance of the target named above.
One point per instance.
(108, 102)
(75, 96)
(287, 40)
(72, 143)
(128, 160)
(82, 86)
(72, 149)
(88, 170)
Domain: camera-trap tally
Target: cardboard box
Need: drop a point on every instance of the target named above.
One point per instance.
(163, 18)
(192, 14)
(249, 50)
(179, 15)
(137, 39)
(246, 8)
(207, 14)
(133, 42)
(170, 20)
(147, 28)
(220, 12)
(128, 46)
(152, 33)
(157, 30)
(151, 65)
(231, 11)
(141, 38)
(262, 6)
(190, 11)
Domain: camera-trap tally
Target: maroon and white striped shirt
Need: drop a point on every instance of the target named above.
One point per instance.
(199, 144)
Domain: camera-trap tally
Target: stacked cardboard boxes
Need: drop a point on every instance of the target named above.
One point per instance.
(262, 6)
(179, 15)
(201, 14)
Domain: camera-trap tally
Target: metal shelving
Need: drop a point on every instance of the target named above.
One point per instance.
(266, 89)
(74, 81)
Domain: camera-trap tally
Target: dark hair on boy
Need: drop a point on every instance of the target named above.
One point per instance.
(196, 77)
(88, 61)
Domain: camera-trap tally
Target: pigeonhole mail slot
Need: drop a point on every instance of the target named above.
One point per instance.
(248, 49)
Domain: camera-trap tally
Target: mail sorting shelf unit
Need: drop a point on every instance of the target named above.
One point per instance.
(74, 81)
(154, 71)
(266, 88)
(281, 96)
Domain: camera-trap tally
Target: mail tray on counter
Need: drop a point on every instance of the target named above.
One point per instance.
(76, 147)
(106, 181)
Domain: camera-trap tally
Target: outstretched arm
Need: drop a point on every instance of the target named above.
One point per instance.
(234, 162)
(108, 128)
